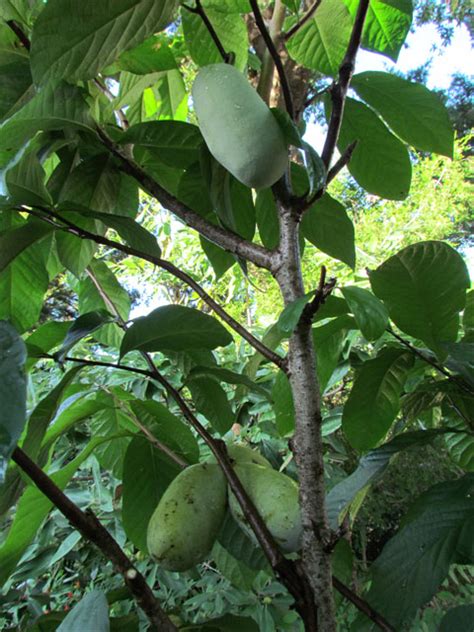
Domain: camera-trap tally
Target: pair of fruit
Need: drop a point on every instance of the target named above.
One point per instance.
(185, 524)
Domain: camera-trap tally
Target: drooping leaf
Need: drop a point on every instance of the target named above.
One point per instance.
(380, 162)
(76, 40)
(25, 182)
(80, 328)
(436, 532)
(176, 328)
(374, 400)
(239, 575)
(92, 612)
(12, 392)
(16, 81)
(230, 377)
(283, 405)
(370, 313)
(327, 226)
(459, 618)
(239, 545)
(175, 143)
(386, 25)
(424, 287)
(152, 55)
(328, 341)
(461, 359)
(290, 316)
(14, 241)
(322, 42)
(417, 115)
(211, 401)
(315, 168)
(267, 218)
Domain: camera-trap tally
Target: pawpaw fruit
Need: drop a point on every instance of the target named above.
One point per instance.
(275, 497)
(184, 526)
(240, 453)
(239, 128)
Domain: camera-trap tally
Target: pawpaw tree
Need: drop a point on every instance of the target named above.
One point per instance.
(112, 112)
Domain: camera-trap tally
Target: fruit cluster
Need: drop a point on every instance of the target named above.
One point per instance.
(185, 524)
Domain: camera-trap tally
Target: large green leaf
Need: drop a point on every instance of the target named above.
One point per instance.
(25, 182)
(374, 400)
(267, 218)
(424, 288)
(176, 328)
(370, 468)
(328, 342)
(175, 143)
(380, 162)
(239, 545)
(15, 240)
(49, 109)
(239, 575)
(370, 313)
(74, 40)
(152, 55)
(83, 326)
(327, 226)
(413, 112)
(283, 405)
(386, 25)
(436, 533)
(92, 612)
(456, 619)
(230, 377)
(322, 42)
(12, 392)
(211, 401)
(230, 29)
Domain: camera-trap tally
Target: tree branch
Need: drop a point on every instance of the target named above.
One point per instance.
(270, 44)
(199, 10)
(19, 33)
(308, 15)
(91, 528)
(229, 241)
(169, 267)
(362, 605)
(323, 291)
(339, 89)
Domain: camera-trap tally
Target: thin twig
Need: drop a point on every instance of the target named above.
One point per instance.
(90, 527)
(275, 56)
(231, 242)
(362, 605)
(199, 10)
(122, 119)
(339, 89)
(19, 33)
(323, 291)
(439, 367)
(341, 162)
(308, 15)
(169, 267)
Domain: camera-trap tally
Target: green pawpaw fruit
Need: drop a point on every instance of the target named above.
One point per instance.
(244, 454)
(239, 128)
(275, 497)
(184, 526)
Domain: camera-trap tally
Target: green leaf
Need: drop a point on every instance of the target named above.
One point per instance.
(92, 612)
(175, 143)
(461, 359)
(16, 82)
(25, 182)
(413, 112)
(234, 540)
(131, 231)
(63, 107)
(288, 127)
(176, 328)
(31, 510)
(231, 31)
(436, 532)
(327, 226)
(328, 342)
(220, 259)
(12, 392)
(239, 575)
(315, 168)
(211, 401)
(111, 421)
(16, 240)
(460, 444)
(386, 25)
(322, 42)
(370, 468)
(230, 377)
(380, 162)
(468, 318)
(424, 288)
(152, 55)
(370, 313)
(290, 316)
(374, 400)
(456, 619)
(267, 218)
(76, 40)
(80, 328)
(283, 405)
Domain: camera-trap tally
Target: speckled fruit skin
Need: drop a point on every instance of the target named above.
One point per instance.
(238, 126)
(184, 526)
(275, 497)
(244, 454)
